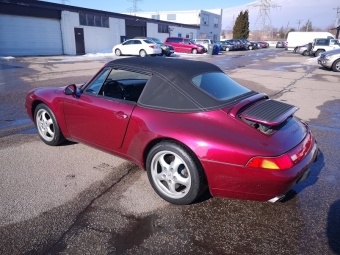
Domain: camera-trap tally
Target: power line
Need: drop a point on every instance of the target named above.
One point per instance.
(263, 20)
(299, 22)
(134, 9)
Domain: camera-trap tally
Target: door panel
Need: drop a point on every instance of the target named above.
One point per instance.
(96, 120)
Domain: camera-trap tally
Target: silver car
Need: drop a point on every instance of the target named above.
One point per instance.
(303, 50)
(330, 59)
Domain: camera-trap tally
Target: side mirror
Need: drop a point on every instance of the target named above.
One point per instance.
(72, 90)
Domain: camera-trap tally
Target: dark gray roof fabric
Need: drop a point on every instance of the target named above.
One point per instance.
(170, 88)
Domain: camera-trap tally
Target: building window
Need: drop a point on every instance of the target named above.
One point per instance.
(171, 17)
(90, 19)
(162, 28)
(93, 20)
(215, 21)
(191, 35)
(155, 17)
(205, 19)
(215, 38)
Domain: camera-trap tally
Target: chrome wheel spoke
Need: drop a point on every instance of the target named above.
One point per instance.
(181, 180)
(163, 163)
(175, 164)
(49, 122)
(43, 117)
(172, 187)
(49, 132)
(160, 176)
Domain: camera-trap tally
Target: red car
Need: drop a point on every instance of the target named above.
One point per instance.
(184, 45)
(187, 123)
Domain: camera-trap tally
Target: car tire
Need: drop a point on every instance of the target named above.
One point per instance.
(295, 49)
(118, 52)
(168, 54)
(174, 173)
(142, 53)
(336, 66)
(318, 53)
(194, 51)
(47, 126)
(305, 53)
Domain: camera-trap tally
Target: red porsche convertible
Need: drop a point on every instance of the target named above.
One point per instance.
(187, 123)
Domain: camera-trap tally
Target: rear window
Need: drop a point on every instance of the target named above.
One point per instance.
(174, 40)
(148, 41)
(219, 86)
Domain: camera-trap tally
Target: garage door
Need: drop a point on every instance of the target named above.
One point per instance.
(27, 36)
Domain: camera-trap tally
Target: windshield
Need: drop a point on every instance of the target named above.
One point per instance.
(219, 85)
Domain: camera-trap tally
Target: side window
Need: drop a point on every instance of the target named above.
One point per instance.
(128, 42)
(186, 41)
(97, 83)
(124, 85)
(137, 42)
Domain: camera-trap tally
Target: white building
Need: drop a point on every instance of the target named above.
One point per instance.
(209, 22)
(30, 27)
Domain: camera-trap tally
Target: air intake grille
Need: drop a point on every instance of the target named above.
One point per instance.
(269, 112)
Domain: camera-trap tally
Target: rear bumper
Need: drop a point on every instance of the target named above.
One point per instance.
(240, 182)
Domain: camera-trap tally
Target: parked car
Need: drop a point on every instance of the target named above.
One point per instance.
(330, 59)
(226, 46)
(281, 44)
(321, 45)
(237, 44)
(187, 123)
(205, 42)
(253, 45)
(264, 44)
(141, 47)
(245, 43)
(185, 45)
(304, 49)
(167, 49)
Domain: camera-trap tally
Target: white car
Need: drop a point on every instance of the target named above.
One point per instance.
(141, 47)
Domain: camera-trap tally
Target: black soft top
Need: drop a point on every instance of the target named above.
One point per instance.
(170, 87)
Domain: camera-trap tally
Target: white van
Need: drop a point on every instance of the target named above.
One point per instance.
(296, 39)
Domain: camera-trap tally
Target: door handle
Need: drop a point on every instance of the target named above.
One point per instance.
(121, 115)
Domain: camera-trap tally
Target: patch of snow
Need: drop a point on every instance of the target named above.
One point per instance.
(311, 62)
(9, 57)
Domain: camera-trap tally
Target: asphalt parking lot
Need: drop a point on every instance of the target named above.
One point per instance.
(73, 199)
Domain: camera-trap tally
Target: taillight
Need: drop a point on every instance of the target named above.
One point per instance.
(151, 46)
(286, 160)
(280, 163)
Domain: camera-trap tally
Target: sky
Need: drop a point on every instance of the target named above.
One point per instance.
(288, 14)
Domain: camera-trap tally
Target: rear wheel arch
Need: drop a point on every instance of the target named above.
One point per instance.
(159, 140)
(196, 180)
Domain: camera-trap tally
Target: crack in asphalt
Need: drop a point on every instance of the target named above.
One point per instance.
(288, 87)
(81, 213)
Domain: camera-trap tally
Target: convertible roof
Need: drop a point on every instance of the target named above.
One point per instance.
(170, 87)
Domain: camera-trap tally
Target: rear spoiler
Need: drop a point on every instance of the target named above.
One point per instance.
(269, 112)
